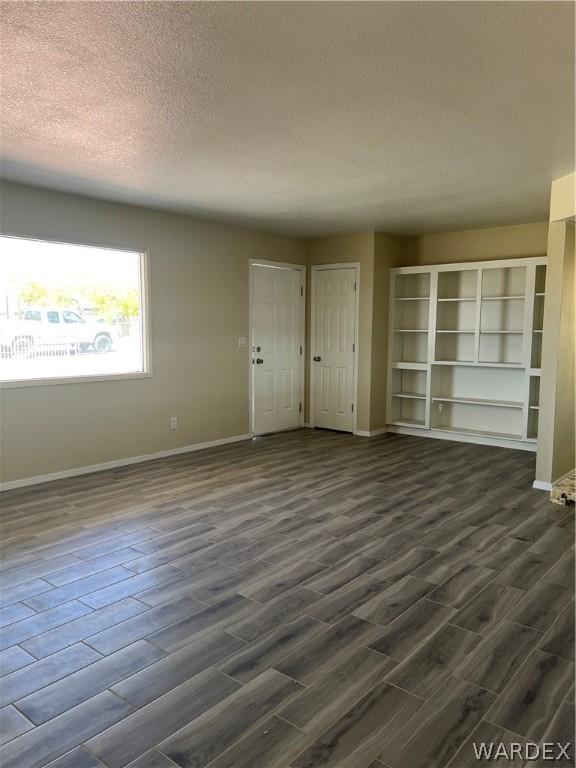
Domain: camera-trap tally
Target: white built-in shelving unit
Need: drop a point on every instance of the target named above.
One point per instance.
(465, 347)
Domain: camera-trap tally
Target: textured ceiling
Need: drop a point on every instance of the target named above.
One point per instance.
(303, 118)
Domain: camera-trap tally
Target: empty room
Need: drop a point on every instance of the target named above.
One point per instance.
(287, 392)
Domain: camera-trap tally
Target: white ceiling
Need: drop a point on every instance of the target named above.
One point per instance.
(304, 118)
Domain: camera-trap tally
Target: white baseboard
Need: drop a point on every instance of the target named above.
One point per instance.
(12, 484)
(540, 485)
(307, 425)
(371, 433)
(517, 445)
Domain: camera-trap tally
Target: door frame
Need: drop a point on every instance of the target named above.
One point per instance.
(355, 265)
(278, 265)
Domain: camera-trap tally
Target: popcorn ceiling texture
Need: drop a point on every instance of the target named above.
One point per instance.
(302, 118)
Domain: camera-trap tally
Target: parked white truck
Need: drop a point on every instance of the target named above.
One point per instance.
(42, 331)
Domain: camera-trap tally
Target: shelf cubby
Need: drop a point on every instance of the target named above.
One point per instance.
(500, 347)
(410, 346)
(495, 386)
(412, 315)
(413, 286)
(455, 316)
(409, 383)
(502, 315)
(478, 418)
(409, 412)
(504, 282)
(455, 347)
(457, 284)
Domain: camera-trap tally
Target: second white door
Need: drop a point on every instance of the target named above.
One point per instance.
(333, 347)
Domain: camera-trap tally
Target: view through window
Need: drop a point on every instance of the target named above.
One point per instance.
(68, 311)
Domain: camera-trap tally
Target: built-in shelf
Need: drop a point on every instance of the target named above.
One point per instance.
(462, 298)
(465, 346)
(490, 333)
(406, 366)
(409, 423)
(503, 298)
(481, 365)
(480, 433)
(477, 401)
(411, 395)
(412, 298)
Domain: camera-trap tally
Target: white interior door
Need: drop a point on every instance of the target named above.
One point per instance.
(277, 336)
(333, 347)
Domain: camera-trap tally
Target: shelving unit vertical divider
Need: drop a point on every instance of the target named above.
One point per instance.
(529, 290)
(391, 347)
(432, 313)
(478, 316)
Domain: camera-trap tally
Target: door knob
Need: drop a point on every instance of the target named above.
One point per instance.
(317, 358)
(259, 361)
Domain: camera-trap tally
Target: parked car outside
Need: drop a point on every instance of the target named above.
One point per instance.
(44, 330)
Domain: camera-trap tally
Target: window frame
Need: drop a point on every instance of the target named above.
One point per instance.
(144, 282)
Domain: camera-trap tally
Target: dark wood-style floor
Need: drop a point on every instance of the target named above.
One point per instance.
(305, 599)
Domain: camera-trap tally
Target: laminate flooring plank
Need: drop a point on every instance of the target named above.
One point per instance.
(321, 704)
(162, 676)
(395, 600)
(488, 608)
(402, 636)
(318, 656)
(464, 585)
(217, 729)
(58, 697)
(355, 740)
(538, 689)
(526, 570)
(270, 649)
(347, 599)
(432, 737)
(38, 674)
(432, 663)
(12, 724)
(541, 606)
(560, 639)
(493, 663)
(54, 738)
(72, 632)
(274, 614)
(489, 736)
(147, 727)
(217, 616)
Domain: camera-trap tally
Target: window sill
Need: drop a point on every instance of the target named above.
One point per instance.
(74, 380)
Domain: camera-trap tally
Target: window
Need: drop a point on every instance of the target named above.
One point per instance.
(70, 312)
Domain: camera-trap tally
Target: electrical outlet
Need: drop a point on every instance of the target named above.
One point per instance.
(174, 422)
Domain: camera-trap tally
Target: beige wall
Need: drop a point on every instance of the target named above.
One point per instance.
(357, 247)
(477, 244)
(563, 198)
(199, 308)
(557, 426)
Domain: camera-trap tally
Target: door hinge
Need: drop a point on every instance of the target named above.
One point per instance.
(353, 347)
(299, 407)
(301, 290)
(352, 407)
(300, 349)
(354, 284)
